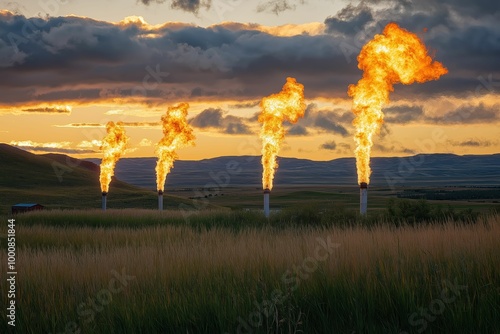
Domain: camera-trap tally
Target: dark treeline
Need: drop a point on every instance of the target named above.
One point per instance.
(468, 194)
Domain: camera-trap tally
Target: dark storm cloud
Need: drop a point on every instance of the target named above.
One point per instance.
(215, 119)
(84, 60)
(471, 114)
(298, 130)
(403, 114)
(197, 91)
(208, 118)
(465, 46)
(316, 121)
(463, 35)
(79, 59)
(384, 131)
(237, 128)
(468, 113)
(278, 6)
(345, 146)
(64, 41)
(330, 145)
(192, 6)
(463, 7)
(349, 20)
(325, 120)
(392, 149)
(472, 143)
(148, 2)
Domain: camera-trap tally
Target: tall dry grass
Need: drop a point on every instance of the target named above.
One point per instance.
(204, 280)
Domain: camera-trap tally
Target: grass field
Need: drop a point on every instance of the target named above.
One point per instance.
(141, 271)
(290, 196)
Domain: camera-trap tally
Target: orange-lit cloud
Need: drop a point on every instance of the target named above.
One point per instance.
(53, 109)
(135, 112)
(51, 147)
(145, 142)
(474, 142)
(37, 109)
(30, 143)
(150, 30)
(98, 125)
(142, 124)
(82, 125)
(287, 30)
(90, 144)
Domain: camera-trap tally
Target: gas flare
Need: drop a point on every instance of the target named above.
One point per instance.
(177, 133)
(395, 56)
(113, 146)
(287, 105)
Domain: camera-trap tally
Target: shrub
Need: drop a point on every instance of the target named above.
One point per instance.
(415, 212)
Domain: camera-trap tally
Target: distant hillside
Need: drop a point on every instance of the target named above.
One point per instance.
(420, 170)
(67, 160)
(59, 181)
(23, 170)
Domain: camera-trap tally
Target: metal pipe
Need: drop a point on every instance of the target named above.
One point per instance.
(104, 196)
(160, 200)
(266, 202)
(363, 198)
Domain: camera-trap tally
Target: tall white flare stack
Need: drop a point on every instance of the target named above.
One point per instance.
(160, 200)
(363, 198)
(104, 196)
(266, 202)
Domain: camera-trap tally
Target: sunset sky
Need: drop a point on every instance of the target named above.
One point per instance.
(67, 67)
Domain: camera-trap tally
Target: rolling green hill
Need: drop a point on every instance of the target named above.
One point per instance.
(60, 182)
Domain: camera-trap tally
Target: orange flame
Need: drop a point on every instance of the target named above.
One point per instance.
(113, 146)
(395, 56)
(288, 105)
(176, 134)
